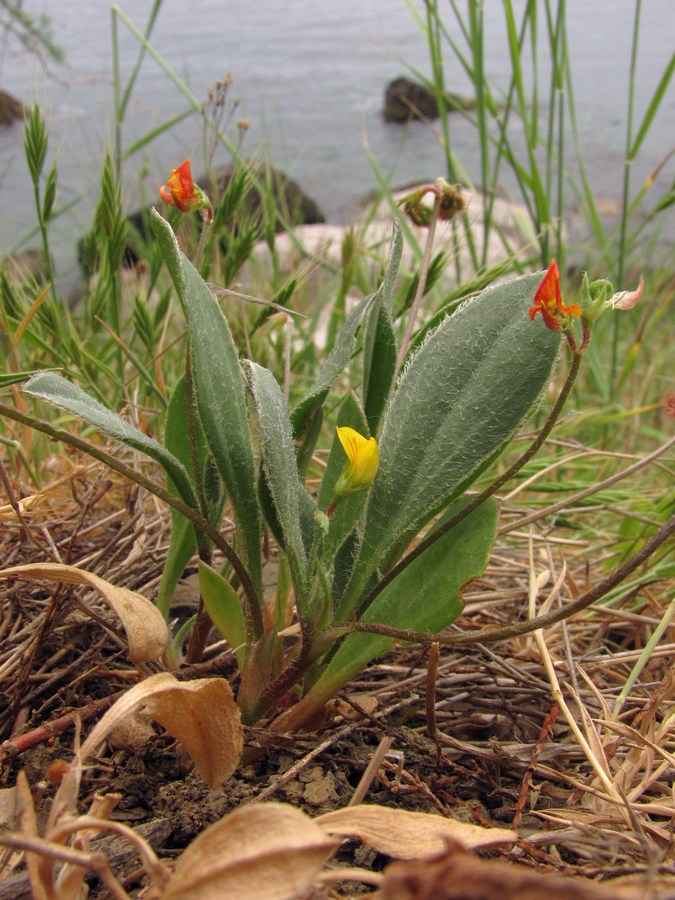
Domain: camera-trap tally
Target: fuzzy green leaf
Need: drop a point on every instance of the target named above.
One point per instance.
(426, 596)
(379, 345)
(55, 389)
(337, 360)
(183, 542)
(379, 364)
(16, 377)
(219, 393)
(462, 396)
(280, 467)
(348, 511)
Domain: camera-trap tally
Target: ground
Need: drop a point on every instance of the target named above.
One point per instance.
(502, 752)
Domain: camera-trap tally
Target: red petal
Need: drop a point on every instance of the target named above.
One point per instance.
(185, 175)
(548, 293)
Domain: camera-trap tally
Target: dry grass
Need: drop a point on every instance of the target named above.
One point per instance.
(569, 733)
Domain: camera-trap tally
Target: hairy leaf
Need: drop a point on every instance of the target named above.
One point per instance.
(460, 399)
(280, 468)
(57, 390)
(219, 393)
(425, 596)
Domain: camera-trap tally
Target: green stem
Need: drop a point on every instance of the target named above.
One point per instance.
(42, 225)
(424, 271)
(490, 635)
(199, 253)
(625, 200)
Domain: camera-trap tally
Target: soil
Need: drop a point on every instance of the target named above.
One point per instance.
(499, 754)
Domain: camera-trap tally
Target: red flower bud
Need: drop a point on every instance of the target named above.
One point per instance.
(180, 191)
(549, 302)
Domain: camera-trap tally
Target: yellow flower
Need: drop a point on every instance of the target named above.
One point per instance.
(363, 460)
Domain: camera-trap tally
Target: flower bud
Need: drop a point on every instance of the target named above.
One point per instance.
(362, 462)
(594, 298)
(548, 301)
(180, 191)
(627, 299)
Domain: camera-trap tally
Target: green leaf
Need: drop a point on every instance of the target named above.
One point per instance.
(379, 365)
(55, 389)
(183, 542)
(338, 359)
(305, 413)
(16, 377)
(349, 510)
(219, 394)
(224, 609)
(50, 194)
(280, 467)
(379, 345)
(168, 246)
(653, 107)
(426, 596)
(461, 398)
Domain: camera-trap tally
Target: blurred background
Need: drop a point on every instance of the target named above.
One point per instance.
(310, 78)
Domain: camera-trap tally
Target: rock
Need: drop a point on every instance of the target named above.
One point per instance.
(405, 99)
(512, 228)
(30, 265)
(371, 234)
(296, 206)
(11, 110)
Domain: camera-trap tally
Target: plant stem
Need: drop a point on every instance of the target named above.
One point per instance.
(424, 271)
(199, 253)
(490, 635)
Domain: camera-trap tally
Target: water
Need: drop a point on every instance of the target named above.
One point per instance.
(310, 77)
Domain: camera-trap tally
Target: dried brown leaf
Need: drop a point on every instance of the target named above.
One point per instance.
(458, 875)
(202, 714)
(41, 876)
(265, 851)
(8, 804)
(146, 630)
(408, 835)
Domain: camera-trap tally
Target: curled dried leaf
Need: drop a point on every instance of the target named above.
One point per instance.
(408, 835)
(265, 851)
(458, 875)
(202, 714)
(147, 634)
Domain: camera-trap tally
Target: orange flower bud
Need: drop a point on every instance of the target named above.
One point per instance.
(549, 302)
(180, 191)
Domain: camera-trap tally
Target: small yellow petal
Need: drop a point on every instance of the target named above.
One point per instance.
(363, 456)
(351, 441)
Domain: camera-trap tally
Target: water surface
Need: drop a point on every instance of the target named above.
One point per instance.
(310, 77)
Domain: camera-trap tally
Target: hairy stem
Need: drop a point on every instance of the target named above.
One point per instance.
(490, 635)
(422, 283)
